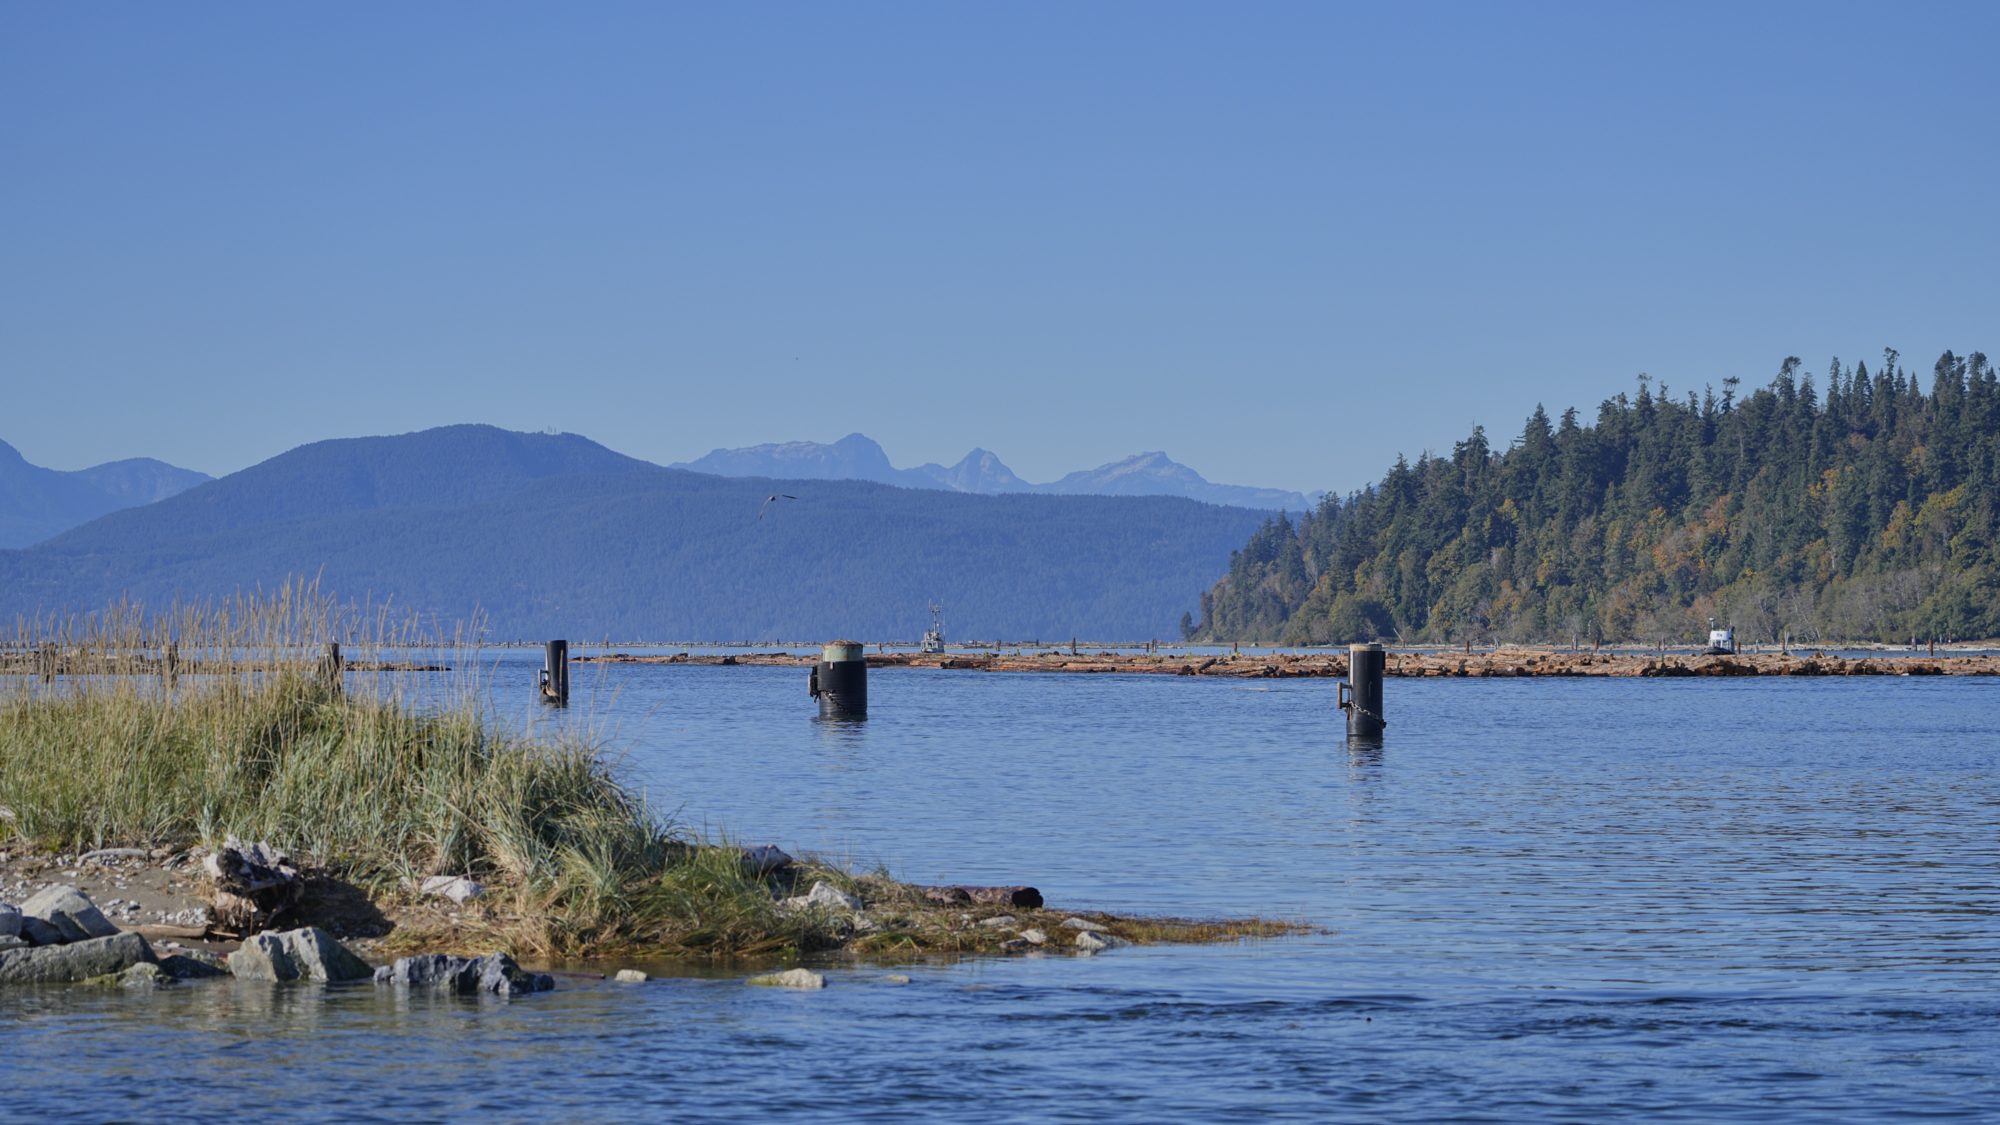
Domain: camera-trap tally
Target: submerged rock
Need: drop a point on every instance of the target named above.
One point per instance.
(65, 912)
(440, 972)
(73, 961)
(790, 978)
(193, 965)
(144, 975)
(304, 954)
(631, 976)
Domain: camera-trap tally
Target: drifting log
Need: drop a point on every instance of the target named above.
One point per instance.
(1026, 897)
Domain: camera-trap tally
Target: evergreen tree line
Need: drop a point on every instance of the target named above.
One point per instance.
(1864, 512)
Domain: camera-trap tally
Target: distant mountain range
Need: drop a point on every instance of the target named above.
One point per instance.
(858, 457)
(37, 503)
(557, 536)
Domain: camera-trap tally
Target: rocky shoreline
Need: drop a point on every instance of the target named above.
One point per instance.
(1502, 663)
(161, 923)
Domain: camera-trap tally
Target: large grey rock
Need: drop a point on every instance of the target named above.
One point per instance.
(69, 912)
(1091, 941)
(457, 888)
(10, 919)
(304, 954)
(824, 896)
(496, 973)
(13, 941)
(73, 961)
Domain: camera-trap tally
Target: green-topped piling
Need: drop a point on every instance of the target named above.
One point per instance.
(840, 681)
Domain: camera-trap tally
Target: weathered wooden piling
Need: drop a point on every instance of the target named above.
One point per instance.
(1361, 694)
(331, 665)
(840, 681)
(555, 674)
(47, 662)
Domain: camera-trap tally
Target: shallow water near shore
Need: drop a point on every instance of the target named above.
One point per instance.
(1545, 899)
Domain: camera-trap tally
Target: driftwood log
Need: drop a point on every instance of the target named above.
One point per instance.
(1026, 897)
(255, 885)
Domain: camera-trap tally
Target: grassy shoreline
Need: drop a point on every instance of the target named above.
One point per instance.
(371, 793)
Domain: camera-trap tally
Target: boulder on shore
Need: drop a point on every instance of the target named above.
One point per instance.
(66, 913)
(824, 896)
(763, 859)
(466, 976)
(1092, 941)
(304, 954)
(459, 889)
(10, 920)
(73, 961)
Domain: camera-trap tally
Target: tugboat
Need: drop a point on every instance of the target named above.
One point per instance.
(1721, 642)
(934, 636)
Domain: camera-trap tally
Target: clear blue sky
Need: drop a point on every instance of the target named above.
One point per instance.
(1281, 242)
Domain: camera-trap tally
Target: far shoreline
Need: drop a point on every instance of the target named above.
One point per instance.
(1505, 663)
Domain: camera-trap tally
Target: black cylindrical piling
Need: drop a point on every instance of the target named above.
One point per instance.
(840, 681)
(1361, 695)
(555, 674)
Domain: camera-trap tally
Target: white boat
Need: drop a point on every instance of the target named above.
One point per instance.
(934, 636)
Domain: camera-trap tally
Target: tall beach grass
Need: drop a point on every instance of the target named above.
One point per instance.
(244, 733)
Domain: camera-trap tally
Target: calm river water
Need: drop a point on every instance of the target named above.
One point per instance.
(1544, 899)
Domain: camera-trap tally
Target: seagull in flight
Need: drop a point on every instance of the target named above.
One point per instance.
(772, 499)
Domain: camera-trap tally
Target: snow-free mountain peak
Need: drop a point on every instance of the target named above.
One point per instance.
(37, 503)
(857, 457)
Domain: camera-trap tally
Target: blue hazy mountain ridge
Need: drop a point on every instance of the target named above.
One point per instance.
(858, 457)
(554, 535)
(38, 503)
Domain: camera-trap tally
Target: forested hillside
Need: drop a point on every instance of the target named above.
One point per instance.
(1864, 511)
(37, 503)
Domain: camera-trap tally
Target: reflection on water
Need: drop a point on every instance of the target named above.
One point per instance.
(1705, 900)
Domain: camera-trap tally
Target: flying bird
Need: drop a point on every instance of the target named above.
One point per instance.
(770, 500)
